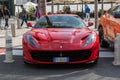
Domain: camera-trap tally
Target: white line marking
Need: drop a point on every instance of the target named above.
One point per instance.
(106, 54)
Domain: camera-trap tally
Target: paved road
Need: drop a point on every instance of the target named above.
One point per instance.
(104, 70)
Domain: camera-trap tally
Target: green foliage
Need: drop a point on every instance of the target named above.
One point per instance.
(19, 15)
(31, 13)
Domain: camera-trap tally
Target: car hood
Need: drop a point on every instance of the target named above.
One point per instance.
(61, 35)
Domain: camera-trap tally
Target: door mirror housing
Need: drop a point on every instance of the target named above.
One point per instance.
(90, 24)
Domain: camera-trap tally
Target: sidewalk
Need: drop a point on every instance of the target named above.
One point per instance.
(17, 40)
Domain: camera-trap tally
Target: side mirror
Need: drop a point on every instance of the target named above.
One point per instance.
(90, 24)
(29, 24)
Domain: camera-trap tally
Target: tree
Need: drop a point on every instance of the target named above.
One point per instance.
(31, 13)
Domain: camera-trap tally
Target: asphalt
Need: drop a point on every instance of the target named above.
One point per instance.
(17, 70)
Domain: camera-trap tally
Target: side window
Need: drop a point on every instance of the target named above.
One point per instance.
(111, 11)
(118, 9)
(115, 11)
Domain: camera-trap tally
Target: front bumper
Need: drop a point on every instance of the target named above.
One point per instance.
(47, 57)
(75, 55)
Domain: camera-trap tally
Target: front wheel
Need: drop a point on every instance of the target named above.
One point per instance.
(103, 43)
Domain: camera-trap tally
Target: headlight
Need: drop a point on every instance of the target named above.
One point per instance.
(31, 41)
(90, 40)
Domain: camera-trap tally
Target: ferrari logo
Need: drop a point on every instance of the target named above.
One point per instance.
(61, 47)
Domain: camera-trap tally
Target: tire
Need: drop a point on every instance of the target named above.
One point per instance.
(91, 64)
(95, 62)
(27, 63)
(103, 43)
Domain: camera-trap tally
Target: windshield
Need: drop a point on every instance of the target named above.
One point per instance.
(60, 22)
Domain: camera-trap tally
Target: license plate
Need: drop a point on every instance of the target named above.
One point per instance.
(61, 59)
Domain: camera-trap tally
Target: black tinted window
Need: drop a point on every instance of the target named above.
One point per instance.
(115, 10)
(60, 22)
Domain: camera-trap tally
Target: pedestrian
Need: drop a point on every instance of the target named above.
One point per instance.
(1, 16)
(68, 10)
(37, 13)
(24, 15)
(6, 15)
(87, 12)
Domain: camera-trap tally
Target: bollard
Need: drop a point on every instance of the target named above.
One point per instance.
(116, 61)
(8, 55)
(18, 24)
(13, 30)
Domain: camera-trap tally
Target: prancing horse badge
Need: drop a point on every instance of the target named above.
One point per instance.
(61, 46)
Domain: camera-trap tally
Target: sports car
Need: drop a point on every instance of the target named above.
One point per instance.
(60, 39)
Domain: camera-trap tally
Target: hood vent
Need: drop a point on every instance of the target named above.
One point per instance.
(84, 37)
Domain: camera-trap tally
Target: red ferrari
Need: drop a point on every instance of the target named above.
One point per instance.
(60, 39)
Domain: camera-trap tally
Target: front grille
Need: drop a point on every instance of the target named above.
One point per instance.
(48, 56)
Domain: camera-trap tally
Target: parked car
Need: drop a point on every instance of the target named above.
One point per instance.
(60, 39)
(109, 26)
